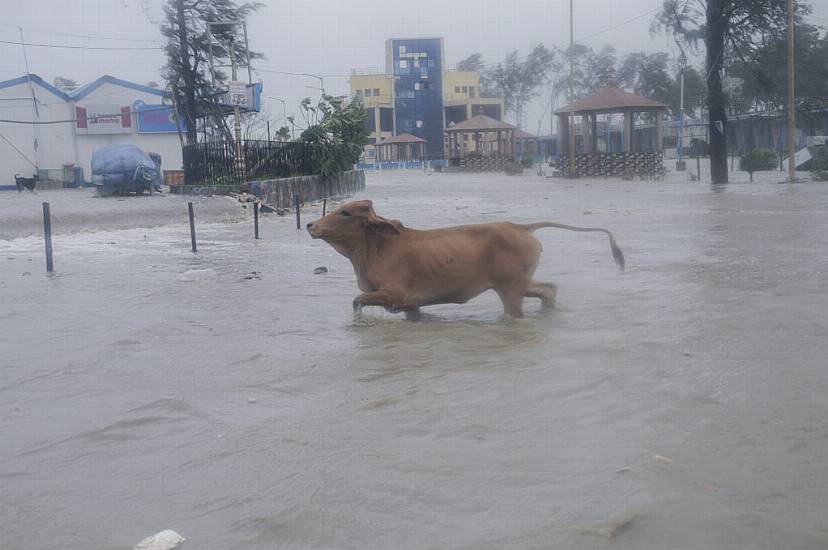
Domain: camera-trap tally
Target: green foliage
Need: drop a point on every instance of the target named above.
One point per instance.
(518, 80)
(647, 75)
(337, 131)
(187, 52)
(757, 160)
(819, 170)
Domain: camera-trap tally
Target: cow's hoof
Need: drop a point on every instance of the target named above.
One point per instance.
(357, 305)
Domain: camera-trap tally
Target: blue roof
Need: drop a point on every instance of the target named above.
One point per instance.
(87, 89)
(84, 90)
(35, 80)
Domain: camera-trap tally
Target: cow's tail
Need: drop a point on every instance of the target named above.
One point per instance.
(616, 252)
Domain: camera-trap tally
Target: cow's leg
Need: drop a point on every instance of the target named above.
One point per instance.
(545, 291)
(377, 298)
(512, 301)
(412, 314)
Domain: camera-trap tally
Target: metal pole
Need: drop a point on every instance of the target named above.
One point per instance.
(268, 130)
(791, 96)
(683, 61)
(571, 90)
(240, 167)
(324, 206)
(247, 54)
(298, 213)
(256, 219)
(192, 226)
(47, 234)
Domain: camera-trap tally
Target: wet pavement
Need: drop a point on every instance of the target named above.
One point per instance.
(231, 396)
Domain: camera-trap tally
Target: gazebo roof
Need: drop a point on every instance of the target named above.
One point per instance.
(480, 122)
(611, 100)
(521, 134)
(402, 138)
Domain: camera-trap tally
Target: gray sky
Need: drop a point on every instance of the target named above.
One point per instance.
(327, 37)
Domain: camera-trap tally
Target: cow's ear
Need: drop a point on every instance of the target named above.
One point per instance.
(362, 206)
(387, 227)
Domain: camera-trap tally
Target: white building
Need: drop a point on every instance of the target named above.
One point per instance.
(60, 130)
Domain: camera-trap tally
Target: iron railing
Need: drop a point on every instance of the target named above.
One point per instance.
(214, 163)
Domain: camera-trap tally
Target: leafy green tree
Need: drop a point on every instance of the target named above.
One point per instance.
(741, 25)
(647, 75)
(337, 131)
(187, 52)
(600, 69)
(763, 71)
(518, 80)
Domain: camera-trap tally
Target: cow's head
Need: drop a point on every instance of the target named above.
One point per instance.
(352, 223)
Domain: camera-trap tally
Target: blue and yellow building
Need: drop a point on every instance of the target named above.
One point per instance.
(418, 95)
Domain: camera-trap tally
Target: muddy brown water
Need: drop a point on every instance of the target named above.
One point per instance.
(679, 404)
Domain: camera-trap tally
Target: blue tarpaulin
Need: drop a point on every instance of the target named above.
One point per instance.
(125, 169)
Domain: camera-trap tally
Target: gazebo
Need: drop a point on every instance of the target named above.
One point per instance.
(526, 144)
(488, 136)
(401, 147)
(608, 101)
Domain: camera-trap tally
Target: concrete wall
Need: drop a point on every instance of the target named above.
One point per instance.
(55, 142)
(281, 192)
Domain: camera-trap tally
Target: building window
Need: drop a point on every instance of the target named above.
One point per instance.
(457, 89)
(376, 92)
(403, 63)
(419, 124)
(402, 49)
(417, 86)
(465, 89)
(416, 63)
(430, 63)
(471, 91)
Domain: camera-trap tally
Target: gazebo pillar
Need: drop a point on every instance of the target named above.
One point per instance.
(659, 137)
(628, 131)
(563, 134)
(594, 132)
(512, 151)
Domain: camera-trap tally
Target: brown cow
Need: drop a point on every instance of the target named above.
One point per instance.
(403, 269)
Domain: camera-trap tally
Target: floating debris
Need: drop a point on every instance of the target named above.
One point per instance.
(320, 269)
(165, 540)
(662, 459)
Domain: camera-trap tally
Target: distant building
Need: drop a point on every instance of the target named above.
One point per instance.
(417, 95)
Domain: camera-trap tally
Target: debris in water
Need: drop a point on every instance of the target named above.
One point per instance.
(266, 209)
(165, 540)
(320, 269)
(253, 275)
(623, 470)
(27, 273)
(587, 213)
(251, 400)
(662, 459)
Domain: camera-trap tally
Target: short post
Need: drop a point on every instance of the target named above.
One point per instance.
(298, 214)
(324, 206)
(192, 226)
(256, 219)
(47, 234)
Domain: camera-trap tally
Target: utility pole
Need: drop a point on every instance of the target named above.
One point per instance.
(571, 91)
(791, 96)
(236, 114)
(35, 110)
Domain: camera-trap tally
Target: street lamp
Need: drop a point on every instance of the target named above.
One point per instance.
(680, 166)
(284, 113)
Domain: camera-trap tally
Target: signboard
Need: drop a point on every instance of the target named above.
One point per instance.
(245, 97)
(156, 119)
(103, 119)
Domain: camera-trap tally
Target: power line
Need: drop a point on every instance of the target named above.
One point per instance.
(91, 117)
(65, 46)
(76, 35)
(612, 28)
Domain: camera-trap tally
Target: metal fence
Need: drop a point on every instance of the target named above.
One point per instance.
(214, 163)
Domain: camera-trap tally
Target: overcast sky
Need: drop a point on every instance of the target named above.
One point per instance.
(327, 37)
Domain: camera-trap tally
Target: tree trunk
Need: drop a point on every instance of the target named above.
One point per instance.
(715, 35)
(189, 90)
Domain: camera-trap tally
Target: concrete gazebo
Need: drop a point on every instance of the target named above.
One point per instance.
(608, 101)
(401, 147)
(490, 137)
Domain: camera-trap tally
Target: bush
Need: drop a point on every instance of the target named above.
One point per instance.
(819, 169)
(758, 159)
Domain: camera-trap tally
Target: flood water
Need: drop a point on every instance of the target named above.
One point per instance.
(680, 404)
